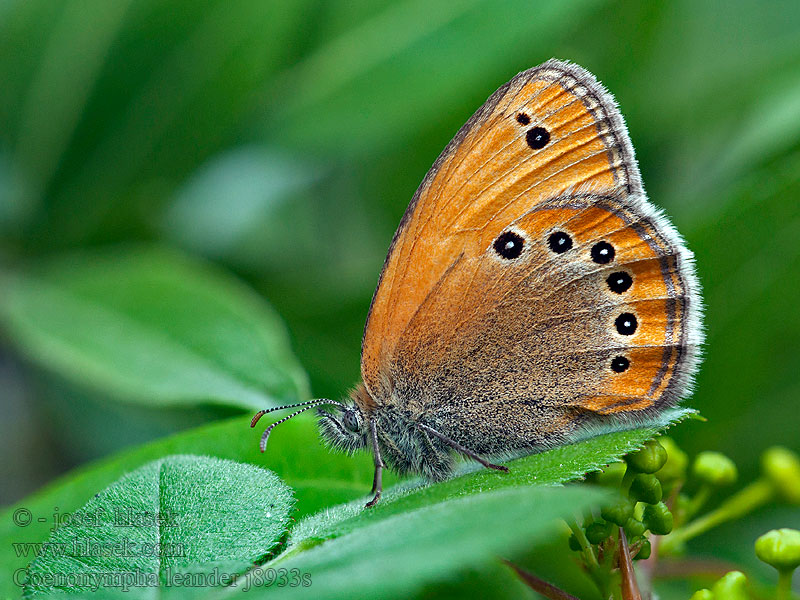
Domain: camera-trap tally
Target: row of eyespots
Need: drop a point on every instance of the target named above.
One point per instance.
(602, 253)
(509, 245)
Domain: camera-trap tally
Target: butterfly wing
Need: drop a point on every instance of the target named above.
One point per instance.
(531, 287)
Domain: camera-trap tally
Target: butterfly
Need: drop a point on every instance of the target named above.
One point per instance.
(532, 296)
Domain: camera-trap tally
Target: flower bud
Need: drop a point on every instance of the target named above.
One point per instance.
(598, 531)
(634, 528)
(658, 518)
(610, 476)
(715, 469)
(677, 460)
(645, 488)
(782, 467)
(618, 513)
(574, 544)
(644, 551)
(702, 595)
(780, 548)
(731, 586)
(649, 459)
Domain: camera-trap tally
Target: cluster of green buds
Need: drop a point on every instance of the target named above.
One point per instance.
(779, 481)
(626, 522)
(640, 507)
(650, 502)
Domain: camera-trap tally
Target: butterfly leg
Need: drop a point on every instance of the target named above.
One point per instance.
(377, 480)
(465, 451)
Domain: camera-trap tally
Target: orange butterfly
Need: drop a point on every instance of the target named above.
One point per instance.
(532, 296)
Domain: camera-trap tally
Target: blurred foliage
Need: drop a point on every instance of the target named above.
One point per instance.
(281, 141)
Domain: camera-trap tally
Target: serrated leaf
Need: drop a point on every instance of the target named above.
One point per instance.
(559, 465)
(392, 556)
(150, 326)
(180, 514)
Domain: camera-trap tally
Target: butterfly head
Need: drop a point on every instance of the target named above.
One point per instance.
(343, 427)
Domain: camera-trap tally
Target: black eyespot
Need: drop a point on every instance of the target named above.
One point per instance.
(559, 242)
(537, 137)
(509, 245)
(523, 119)
(619, 282)
(620, 364)
(626, 324)
(602, 253)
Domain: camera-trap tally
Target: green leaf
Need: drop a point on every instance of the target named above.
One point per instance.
(559, 465)
(150, 326)
(180, 514)
(393, 555)
(319, 477)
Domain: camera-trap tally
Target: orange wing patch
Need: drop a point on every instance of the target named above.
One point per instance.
(490, 174)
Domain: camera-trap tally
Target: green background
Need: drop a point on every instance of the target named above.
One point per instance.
(282, 141)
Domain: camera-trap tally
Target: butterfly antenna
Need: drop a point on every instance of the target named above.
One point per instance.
(306, 405)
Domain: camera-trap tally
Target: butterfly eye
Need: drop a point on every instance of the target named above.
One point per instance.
(537, 137)
(620, 364)
(523, 119)
(350, 421)
(559, 242)
(619, 282)
(626, 324)
(509, 245)
(602, 253)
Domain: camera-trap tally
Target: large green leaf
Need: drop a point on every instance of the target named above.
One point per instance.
(150, 326)
(179, 514)
(393, 555)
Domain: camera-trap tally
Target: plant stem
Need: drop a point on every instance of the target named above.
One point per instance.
(700, 498)
(741, 503)
(630, 588)
(627, 480)
(784, 590)
(592, 566)
(588, 553)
